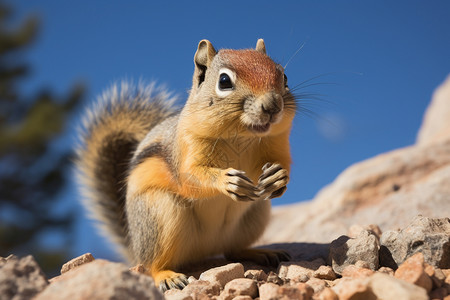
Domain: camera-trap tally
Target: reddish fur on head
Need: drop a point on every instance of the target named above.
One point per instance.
(256, 70)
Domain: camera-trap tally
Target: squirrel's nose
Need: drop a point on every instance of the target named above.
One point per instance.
(271, 109)
(272, 106)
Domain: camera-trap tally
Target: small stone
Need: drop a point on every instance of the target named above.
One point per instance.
(387, 287)
(345, 251)
(191, 279)
(77, 261)
(439, 293)
(324, 272)
(270, 291)
(386, 270)
(317, 284)
(429, 269)
(138, 269)
(306, 291)
(224, 274)
(258, 275)
(202, 287)
(174, 294)
(325, 294)
(300, 270)
(353, 271)
(274, 278)
(238, 287)
(21, 278)
(349, 288)
(413, 271)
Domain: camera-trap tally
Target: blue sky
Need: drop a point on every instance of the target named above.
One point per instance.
(375, 64)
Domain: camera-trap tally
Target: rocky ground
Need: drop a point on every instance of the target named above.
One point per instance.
(411, 263)
(406, 255)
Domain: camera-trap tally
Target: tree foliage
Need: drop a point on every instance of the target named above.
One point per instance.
(33, 159)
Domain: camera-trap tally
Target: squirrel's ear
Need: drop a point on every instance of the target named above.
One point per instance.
(205, 53)
(203, 58)
(260, 46)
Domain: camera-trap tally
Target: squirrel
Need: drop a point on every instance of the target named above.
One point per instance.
(174, 186)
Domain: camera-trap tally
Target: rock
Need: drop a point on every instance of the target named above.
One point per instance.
(436, 122)
(317, 284)
(378, 286)
(202, 287)
(386, 270)
(271, 291)
(101, 279)
(355, 230)
(325, 294)
(387, 287)
(224, 274)
(258, 275)
(299, 271)
(21, 278)
(175, 294)
(274, 278)
(413, 271)
(324, 272)
(428, 236)
(77, 261)
(345, 251)
(354, 271)
(239, 287)
(353, 289)
(389, 189)
(138, 269)
(198, 289)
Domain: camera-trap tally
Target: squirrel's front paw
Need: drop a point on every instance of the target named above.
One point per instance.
(272, 182)
(239, 187)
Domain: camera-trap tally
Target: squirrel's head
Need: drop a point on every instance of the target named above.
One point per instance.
(240, 92)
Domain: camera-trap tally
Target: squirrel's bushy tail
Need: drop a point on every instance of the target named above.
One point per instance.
(110, 132)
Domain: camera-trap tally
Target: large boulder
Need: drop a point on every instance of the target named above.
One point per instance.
(389, 189)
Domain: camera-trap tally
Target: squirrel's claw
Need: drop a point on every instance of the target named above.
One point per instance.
(272, 182)
(239, 187)
(177, 282)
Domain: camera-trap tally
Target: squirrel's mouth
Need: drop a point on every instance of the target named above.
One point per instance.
(259, 128)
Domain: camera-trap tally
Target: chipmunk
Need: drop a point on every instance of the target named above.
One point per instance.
(175, 186)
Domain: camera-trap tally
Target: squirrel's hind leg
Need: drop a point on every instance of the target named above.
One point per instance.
(264, 257)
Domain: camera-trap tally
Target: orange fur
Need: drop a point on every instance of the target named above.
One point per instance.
(256, 70)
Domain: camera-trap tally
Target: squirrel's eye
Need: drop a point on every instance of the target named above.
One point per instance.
(285, 81)
(225, 82)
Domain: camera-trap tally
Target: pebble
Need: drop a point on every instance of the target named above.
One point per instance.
(224, 274)
(258, 275)
(300, 270)
(413, 270)
(324, 272)
(239, 287)
(76, 262)
(354, 271)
